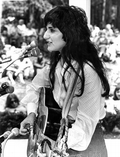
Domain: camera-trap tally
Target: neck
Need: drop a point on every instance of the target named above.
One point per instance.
(62, 61)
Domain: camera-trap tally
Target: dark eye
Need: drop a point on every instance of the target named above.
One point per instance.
(52, 30)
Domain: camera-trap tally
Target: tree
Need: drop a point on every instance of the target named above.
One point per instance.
(37, 6)
(32, 11)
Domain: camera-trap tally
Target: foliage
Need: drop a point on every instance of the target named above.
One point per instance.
(41, 5)
(21, 7)
(29, 10)
(14, 7)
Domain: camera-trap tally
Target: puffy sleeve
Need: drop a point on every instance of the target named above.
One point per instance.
(30, 100)
(89, 109)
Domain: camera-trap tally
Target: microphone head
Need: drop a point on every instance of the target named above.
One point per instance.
(5, 85)
(33, 44)
(15, 131)
(35, 52)
(10, 89)
(6, 134)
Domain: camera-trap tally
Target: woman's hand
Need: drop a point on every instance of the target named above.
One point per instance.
(26, 123)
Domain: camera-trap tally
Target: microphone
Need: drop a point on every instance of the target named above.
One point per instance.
(4, 136)
(14, 132)
(30, 46)
(30, 50)
(26, 51)
(6, 88)
(35, 52)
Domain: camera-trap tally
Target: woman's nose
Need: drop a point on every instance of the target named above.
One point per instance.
(46, 35)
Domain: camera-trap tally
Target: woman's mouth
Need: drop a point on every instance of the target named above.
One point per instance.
(49, 43)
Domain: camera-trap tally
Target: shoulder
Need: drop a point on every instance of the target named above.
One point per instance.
(44, 70)
(42, 77)
(89, 69)
(92, 79)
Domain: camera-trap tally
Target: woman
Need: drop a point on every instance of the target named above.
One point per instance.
(12, 104)
(12, 101)
(68, 40)
(13, 113)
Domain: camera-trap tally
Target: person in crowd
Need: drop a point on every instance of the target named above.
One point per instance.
(112, 103)
(22, 27)
(108, 30)
(16, 70)
(95, 33)
(42, 43)
(112, 106)
(40, 62)
(12, 113)
(4, 40)
(68, 41)
(116, 94)
(2, 52)
(4, 35)
(109, 54)
(27, 68)
(31, 33)
(12, 104)
(102, 43)
(13, 33)
(116, 40)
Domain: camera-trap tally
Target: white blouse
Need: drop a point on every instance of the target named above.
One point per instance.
(86, 110)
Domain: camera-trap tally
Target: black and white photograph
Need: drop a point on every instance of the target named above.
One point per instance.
(59, 78)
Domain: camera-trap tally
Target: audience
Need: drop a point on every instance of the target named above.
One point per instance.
(16, 71)
(12, 115)
(112, 104)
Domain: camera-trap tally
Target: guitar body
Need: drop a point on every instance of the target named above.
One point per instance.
(47, 122)
(54, 116)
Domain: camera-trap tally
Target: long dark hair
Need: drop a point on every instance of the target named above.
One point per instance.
(9, 100)
(72, 22)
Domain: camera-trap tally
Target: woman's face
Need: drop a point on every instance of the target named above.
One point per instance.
(14, 103)
(54, 39)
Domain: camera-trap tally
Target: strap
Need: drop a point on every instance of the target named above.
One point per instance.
(69, 95)
(42, 111)
(42, 97)
(61, 142)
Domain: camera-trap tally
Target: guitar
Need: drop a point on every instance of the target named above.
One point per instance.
(60, 145)
(46, 126)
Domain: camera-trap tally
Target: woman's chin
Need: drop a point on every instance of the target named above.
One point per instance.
(50, 50)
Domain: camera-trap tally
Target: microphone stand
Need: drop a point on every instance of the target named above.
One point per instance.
(15, 59)
(1, 140)
(3, 146)
(21, 54)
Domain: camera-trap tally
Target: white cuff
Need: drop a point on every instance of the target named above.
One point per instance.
(31, 107)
